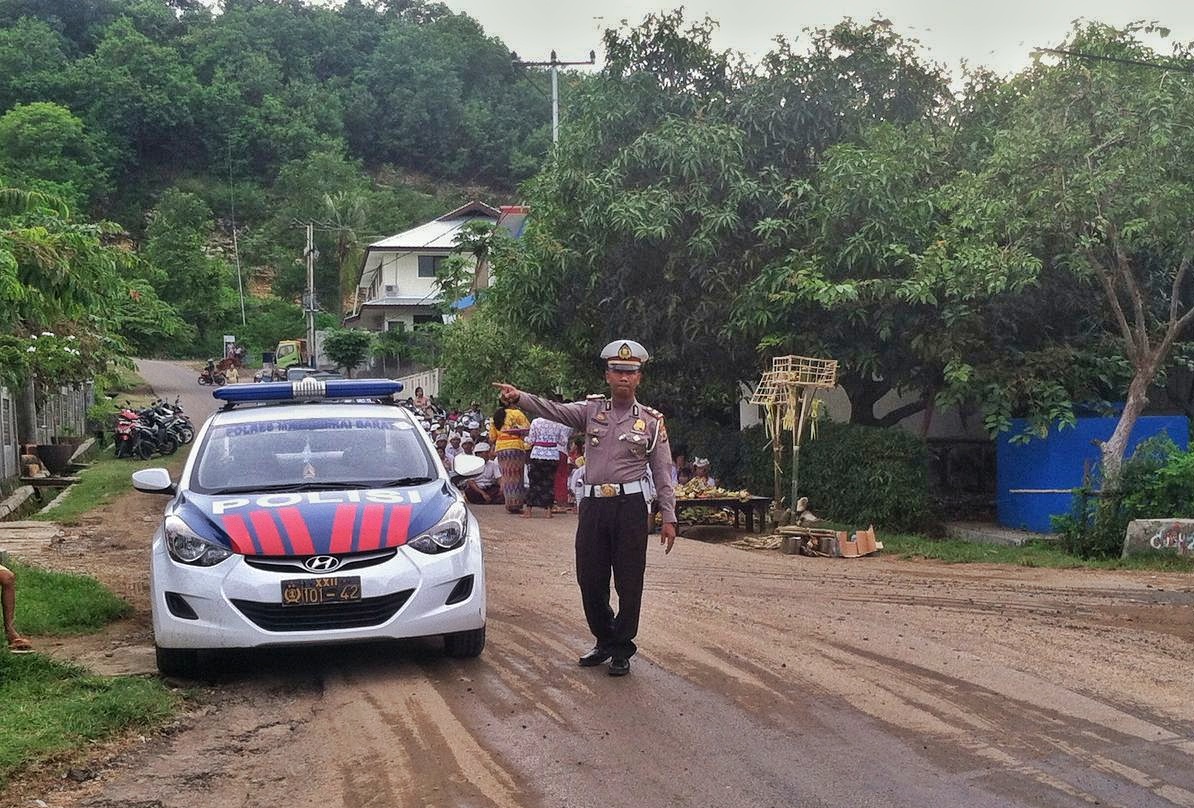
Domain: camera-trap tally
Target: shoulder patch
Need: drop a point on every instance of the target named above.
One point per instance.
(653, 412)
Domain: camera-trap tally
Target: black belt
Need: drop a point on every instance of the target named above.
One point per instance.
(614, 489)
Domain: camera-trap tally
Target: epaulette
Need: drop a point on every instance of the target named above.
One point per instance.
(595, 397)
(654, 413)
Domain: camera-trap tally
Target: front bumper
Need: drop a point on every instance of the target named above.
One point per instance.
(235, 605)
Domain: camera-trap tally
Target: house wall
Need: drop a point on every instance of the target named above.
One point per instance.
(945, 424)
(401, 271)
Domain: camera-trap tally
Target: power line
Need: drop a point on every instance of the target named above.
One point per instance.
(555, 64)
(1098, 57)
(240, 286)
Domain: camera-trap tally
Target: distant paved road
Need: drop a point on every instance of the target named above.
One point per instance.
(170, 379)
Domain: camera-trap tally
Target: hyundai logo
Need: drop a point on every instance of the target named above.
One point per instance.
(322, 563)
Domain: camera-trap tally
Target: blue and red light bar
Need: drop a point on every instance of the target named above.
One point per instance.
(307, 390)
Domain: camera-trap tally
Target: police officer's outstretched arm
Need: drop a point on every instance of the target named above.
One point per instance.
(572, 415)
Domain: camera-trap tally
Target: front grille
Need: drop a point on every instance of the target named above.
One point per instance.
(295, 563)
(354, 614)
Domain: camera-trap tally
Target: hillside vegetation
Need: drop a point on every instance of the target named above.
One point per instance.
(173, 121)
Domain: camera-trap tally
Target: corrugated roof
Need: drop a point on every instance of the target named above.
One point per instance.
(440, 233)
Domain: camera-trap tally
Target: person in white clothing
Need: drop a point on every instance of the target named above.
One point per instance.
(485, 488)
(452, 449)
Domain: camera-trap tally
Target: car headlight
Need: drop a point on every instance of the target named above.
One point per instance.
(187, 547)
(448, 534)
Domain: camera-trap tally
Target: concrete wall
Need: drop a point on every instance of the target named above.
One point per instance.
(945, 423)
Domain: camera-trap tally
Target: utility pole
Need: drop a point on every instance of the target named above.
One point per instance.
(555, 64)
(310, 254)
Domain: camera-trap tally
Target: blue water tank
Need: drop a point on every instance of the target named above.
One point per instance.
(1057, 462)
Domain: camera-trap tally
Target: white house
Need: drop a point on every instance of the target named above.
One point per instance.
(397, 288)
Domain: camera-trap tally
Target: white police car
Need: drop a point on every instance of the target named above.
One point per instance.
(309, 514)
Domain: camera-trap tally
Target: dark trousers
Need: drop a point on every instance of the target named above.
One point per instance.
(611, 536)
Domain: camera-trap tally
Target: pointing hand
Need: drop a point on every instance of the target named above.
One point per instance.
(507, 393)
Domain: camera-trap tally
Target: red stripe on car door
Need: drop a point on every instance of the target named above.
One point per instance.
(296, 530)
(342, 524)
(370, 535)
(399, 526)
(238, 531)
(267, 533)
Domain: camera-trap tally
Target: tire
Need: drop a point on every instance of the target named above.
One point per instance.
(187, 434)
(203, 380)
(145, 449)
(220, 379)
(465, 644)
(182, 663)
(168, 445)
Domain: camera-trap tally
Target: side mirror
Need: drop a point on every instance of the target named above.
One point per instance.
(153, 481)
(467, 465)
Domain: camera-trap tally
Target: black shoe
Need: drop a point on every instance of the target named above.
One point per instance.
(593, 658)
(619, 666)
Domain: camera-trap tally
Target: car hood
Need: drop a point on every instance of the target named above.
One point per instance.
(315, 522)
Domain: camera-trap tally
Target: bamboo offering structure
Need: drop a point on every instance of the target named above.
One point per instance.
(787, 391)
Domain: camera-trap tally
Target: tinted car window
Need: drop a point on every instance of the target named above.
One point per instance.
(310, 451)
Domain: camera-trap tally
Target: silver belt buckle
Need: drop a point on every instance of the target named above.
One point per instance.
(608, 490)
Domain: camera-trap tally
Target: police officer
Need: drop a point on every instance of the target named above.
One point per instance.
(622, 438)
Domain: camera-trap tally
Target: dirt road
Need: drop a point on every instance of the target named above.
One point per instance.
(763, 680)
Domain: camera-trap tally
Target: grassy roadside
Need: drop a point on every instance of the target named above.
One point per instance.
(57, 604)
(51, 708)
(105, 480)
(1032, 554)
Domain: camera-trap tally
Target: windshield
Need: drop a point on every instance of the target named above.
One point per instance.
(312, 453)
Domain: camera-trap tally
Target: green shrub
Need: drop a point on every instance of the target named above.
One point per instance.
(1156, 482)
(850, 473)
(868, 475)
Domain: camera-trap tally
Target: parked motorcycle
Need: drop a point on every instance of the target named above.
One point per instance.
(159, 428)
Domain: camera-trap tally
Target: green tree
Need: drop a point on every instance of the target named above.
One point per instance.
(140, 93)
(43, 145)
(392, 345)
(877, 267)
(1098, 159)
(479, 347)
(642, 221)
(196, 284)
(348, 348)
(59, 276)
(347, 218)
(33, 59)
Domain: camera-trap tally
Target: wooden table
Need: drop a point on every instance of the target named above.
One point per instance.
(749, 507)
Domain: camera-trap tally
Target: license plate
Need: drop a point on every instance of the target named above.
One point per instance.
(315, 591)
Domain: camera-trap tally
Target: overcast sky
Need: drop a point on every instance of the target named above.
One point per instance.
(995, 33)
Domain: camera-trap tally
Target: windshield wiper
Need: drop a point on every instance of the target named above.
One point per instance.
(310, 485)
(405, 481)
